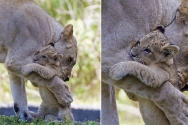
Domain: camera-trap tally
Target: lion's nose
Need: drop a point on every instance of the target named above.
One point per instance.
(67, 79)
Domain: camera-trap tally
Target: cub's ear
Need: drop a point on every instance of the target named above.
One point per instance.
(68, 30)
(160, 28)
(57, 58)
(170, 51)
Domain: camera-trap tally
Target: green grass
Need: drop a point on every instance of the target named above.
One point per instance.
(12, 120)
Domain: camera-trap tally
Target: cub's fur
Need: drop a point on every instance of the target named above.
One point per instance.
(153, 61)
(182, 15)
(47, 64)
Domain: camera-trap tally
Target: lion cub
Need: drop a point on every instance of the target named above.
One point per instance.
(182, 15)
(152, 61)
(47, 65)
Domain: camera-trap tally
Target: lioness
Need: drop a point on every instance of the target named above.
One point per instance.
(24, 29)
(49, 66)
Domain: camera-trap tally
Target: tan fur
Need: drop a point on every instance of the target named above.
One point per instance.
(25, 28)
(182, 15)
(156, 53)
(122, 24)
(50, 61)
(47, 63)
(155, 66)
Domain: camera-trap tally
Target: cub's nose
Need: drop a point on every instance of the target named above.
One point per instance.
(132, 55)
(35, 60)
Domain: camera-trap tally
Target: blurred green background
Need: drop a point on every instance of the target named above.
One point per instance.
(85, 82)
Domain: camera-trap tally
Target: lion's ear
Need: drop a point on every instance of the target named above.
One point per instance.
(170, 51)
(68, 31)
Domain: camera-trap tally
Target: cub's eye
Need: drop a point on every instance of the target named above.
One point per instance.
(44, 57)
(147, 50)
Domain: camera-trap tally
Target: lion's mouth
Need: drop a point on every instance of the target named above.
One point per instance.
(132, 56)
(65, 75)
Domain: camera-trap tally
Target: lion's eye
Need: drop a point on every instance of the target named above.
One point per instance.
(147, 50)
(44, 57)
(70, 59)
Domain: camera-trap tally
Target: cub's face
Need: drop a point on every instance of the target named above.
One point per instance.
(153, 48)
(48, 56)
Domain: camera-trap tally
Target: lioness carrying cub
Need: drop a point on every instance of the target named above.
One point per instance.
(25, 28)
(47, 64)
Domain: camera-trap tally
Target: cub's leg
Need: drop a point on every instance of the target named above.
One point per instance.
(65, 113)
(153, 77)
(20, 100)
(45, 72)
(49, 101)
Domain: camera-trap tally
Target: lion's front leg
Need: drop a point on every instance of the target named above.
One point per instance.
(19, 96)
(45, 72)
(109, 115)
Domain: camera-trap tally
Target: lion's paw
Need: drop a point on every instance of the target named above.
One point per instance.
(118, 71)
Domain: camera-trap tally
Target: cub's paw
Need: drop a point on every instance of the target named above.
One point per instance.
(26, 70)
(118, 71)
(182, 78)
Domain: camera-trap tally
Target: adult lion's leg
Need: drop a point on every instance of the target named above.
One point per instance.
(151, 114)
(109, 115)
(167, 97)
(19, 95)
